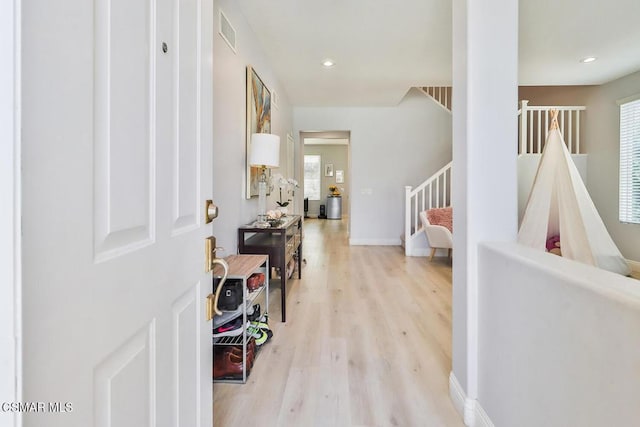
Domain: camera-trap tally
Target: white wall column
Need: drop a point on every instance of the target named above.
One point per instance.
(484, 182)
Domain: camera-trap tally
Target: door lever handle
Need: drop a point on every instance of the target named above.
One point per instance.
(210, 262)
(225, 267)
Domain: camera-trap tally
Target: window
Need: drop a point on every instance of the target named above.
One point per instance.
(630, 160)
(312, 177)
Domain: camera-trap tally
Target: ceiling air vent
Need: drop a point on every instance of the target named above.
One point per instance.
(227, 31)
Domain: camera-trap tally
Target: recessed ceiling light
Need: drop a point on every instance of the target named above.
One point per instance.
(588, 59)
(328, 63)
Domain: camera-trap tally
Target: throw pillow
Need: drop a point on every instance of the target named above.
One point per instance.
(441, 216)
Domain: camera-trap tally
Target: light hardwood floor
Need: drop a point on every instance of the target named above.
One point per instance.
(367, 342)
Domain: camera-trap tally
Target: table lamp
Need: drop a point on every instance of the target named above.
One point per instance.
(264, 154)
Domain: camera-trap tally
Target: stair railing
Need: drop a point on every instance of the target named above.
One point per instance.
(534, 122)
(435, 192)
(440, 94)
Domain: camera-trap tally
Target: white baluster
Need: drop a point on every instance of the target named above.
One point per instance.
(530, 123)
(546, 125)
(407, 220)
(578, 131)
(415, 211)
(570, 140)
(444, 189)
(523, 126)
(539, 130)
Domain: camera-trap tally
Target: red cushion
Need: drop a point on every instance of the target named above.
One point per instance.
(441, 216)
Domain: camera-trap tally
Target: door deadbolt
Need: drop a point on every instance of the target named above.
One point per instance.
(210, 211)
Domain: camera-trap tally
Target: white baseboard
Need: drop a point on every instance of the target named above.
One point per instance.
(481, 417)
(420, 252)
(374, 242)
(470, 409)
(425, 252)
(457, 394)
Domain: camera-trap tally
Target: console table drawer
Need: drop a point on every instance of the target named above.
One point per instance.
(292, 245)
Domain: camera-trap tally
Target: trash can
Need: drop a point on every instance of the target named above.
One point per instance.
(334, 207)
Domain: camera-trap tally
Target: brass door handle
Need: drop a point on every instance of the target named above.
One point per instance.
(209, 308)
(225, 266)
(210, 261)
(212, 299)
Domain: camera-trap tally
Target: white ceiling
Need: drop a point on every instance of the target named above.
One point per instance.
(384, 47)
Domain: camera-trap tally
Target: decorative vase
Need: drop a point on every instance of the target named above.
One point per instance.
(283, 210)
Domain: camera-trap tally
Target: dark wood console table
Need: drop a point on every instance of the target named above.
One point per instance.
(281, 243)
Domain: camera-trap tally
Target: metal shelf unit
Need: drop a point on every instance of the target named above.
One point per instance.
(241, 267)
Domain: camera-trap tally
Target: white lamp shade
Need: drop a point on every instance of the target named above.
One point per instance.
(265, 150)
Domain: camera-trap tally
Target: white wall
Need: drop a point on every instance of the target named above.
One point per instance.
(558, 341)
(229, 115)
(603, 128)
(390, 147)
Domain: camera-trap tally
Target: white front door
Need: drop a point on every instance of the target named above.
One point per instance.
(117, 164)
(9, 212)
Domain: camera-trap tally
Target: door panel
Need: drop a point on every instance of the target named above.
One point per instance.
(187, 86)
(124, 123)
(186, 362)
(124, 391)
(117, 164)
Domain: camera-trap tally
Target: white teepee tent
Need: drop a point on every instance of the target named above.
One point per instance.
(559, 205)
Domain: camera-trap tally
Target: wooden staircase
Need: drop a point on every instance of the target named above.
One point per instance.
(435, 192)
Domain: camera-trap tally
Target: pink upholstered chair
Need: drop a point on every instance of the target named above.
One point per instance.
(438, 236)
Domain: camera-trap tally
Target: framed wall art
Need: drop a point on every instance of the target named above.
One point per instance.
(328, 169)
(258, 121)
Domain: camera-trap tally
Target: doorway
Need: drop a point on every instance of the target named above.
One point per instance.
(327, 176)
